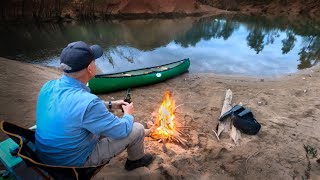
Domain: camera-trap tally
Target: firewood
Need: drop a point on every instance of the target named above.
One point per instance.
(183, 127)
(223, 125)
(164, 122)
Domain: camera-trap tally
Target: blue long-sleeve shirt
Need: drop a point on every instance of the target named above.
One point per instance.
(70, 121)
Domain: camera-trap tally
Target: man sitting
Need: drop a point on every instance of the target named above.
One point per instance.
(75, 127)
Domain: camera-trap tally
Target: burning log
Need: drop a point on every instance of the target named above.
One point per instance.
(165, 126)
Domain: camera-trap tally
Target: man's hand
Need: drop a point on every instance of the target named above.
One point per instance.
(128, 108)
(118, 104)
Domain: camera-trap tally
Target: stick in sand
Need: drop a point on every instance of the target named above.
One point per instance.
(254, 154)
(177, 107)
(216, 134)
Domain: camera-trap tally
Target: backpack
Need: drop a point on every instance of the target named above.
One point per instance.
(242, 119)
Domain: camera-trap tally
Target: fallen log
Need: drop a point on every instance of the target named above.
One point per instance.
(227, 125)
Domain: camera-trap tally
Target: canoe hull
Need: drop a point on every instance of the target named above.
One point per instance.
(100, 84)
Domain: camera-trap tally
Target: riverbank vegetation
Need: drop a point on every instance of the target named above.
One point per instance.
(58, 10)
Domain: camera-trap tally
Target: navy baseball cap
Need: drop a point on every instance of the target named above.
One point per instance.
(78, 55)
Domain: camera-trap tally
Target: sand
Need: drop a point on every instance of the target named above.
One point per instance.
(286, 107)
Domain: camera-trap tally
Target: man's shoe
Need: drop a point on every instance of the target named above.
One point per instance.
(144, 161)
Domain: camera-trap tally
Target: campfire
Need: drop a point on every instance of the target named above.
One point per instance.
(166, 129)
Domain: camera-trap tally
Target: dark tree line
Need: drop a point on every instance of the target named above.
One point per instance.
(234, 5)
(31, 8)
(44, 9)
(85, 8)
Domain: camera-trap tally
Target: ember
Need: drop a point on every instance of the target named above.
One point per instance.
(166, 129)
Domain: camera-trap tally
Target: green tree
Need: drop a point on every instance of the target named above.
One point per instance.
(255, 40)
(288, 43)
(310, 54)
(228, 29)
(207, 28)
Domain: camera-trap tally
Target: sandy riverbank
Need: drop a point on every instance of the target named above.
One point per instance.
(286, 107)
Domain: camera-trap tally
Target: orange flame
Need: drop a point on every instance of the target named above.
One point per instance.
(165, 117)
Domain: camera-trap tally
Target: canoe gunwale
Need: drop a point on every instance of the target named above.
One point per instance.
(152, 72)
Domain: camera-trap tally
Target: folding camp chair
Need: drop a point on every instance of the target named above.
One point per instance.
(25, 138)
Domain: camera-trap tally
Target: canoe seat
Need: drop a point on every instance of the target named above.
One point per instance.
(25, 138)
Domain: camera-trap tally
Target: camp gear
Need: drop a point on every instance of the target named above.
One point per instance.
(234, 110)
(104, 83)
(242, 119)
(25, 138)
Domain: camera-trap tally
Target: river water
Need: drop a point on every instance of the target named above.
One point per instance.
(237, 45)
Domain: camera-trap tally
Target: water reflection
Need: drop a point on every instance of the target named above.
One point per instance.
(228, 45)
(261, 32)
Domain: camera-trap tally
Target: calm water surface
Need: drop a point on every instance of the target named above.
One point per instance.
(238, 45)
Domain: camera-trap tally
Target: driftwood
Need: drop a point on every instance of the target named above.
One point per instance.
(227, 125)
(235, 134)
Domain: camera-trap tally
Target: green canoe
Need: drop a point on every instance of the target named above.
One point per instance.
(112, 82)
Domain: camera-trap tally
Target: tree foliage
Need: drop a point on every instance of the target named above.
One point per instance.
(31, 8)
(44, 9)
